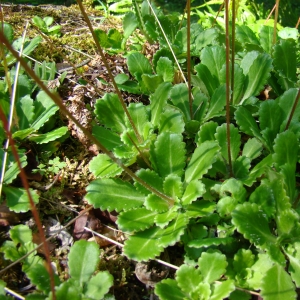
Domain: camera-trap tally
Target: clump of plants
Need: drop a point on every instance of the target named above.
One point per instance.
(212, 160)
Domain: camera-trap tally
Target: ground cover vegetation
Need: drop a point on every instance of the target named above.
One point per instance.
(187, 135)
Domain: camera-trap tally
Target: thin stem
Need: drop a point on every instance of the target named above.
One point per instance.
(293, 110)
(275, 22)
(297, 25)
(169, 45)
(228, 86)
(64, 110)
(232, 47)
(188, 47)
(270, 14)
(87, 20)
(32, 205)
(220, 9)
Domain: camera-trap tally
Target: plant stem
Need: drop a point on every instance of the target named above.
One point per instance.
(232, 48)
(275, 22)
(87, 20)
(64, 110)
(293, 110)
(188, 47)
(228, 86)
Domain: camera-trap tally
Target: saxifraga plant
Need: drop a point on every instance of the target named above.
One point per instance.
(239, 224)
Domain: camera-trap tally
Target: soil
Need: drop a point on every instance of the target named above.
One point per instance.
(62, 194)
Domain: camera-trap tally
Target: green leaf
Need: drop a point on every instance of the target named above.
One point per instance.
(143, 245)
(173, 186)
(102, 38)
(253, 224)
(103, 167)
(257, 74)
(163, 219)
(8, 31)
(169, 289)
(212, 266)
(259, 169)
(17, 199)
(222, 290)
(40, 23)
(263, 196)
(136, 219)
(39, 276)
(169, 154)
(69, 289)
(208, 242)
(239, 80)
(171, 120)
(49, 136)
(294, 266)
(247, 122)
(28, 47)
(151, 178)
(266, 38)
(165, 69)
(217, 103)
(44, 109)
(113, 194)
(285, 59)
(150, 83)
(206, 132)
(214, 58)
(25, 111)
(158, 101)
(12, 169)
(245, 35)
(179, 97)
(206, 37)
(278, 285)
(83, 260)
(140, 117)
(258, 270)
(20, 234)
(242, 262)
(289, 33)
(286, 149)
(226, 205)
(129, 24)
(241, 168)
(200, 208)
(188, 278)
(204, 80)
(155, 203)
(172, 233)
(138, 65)
(194, 190)
(114, 38)
(252, 149)
(108, 138)
(94, 290)
(286, 102)
(235, 141)
(110, 112)
(201, 160)
(270, 119)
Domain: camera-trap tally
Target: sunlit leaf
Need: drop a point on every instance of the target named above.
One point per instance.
(201, 160)
(83, 260)
(136, 219)
(277, 284)
(113, 194)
